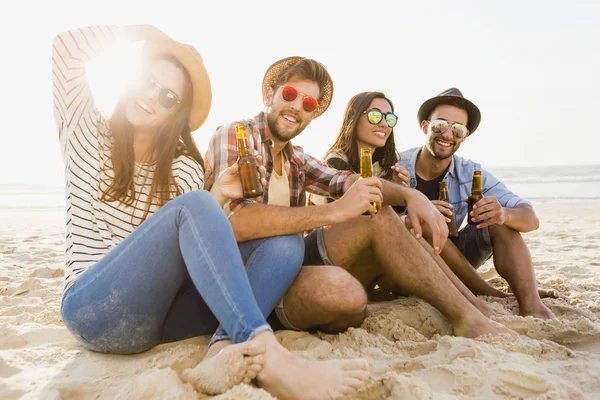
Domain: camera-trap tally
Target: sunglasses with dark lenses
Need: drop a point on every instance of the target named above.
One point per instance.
(459, 131)
(375, 116)
(166, 97)
(289, 93)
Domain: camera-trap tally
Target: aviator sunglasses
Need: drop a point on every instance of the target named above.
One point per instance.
(459, 131)
(289, 93)
(375, 116)
(166, 97)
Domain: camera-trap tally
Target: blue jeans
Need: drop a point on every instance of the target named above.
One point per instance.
(283, 254)
(177, 275)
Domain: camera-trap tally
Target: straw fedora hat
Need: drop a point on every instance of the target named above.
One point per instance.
(446, 97)
(191, 60)
(278, 67)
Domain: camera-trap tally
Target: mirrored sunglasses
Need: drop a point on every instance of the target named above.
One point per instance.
(459, 131)
(375, 116)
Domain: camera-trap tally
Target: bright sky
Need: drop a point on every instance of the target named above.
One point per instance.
(532, 67)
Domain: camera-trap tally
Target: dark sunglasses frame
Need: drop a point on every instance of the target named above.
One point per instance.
(459, 131)
(308, 102)
(166, 97)
(380, 115)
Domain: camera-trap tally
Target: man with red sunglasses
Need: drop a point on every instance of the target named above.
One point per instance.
(297, 90)
(447, 120)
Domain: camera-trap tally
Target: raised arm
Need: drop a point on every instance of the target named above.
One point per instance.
(71, 51)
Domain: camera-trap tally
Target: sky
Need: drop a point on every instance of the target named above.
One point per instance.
(532, 67)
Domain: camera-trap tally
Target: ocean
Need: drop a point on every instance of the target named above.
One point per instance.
(579, 184)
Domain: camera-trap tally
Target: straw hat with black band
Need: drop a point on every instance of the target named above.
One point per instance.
(281, 66)
(191, 60)
(448, 97)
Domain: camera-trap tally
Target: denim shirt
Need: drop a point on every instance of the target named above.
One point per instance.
(460, 179)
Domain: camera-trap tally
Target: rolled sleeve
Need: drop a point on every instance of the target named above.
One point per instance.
(322, 179)
(492, 187)
(336, 186)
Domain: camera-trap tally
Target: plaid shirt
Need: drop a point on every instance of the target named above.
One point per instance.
(305, 173)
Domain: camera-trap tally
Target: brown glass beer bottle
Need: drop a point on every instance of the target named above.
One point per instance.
(452, 229)
(366, 167)
(476, 195)
(248, 166)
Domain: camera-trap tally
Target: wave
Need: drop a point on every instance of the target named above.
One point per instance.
(552, 179)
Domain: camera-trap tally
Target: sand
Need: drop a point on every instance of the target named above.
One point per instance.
(406, 341)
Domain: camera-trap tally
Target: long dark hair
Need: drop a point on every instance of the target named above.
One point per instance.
(346, 140)
(171, 140)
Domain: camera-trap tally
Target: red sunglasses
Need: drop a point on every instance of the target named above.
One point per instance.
(289, 93)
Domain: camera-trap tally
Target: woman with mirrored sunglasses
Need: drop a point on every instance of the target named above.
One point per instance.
(151, 258)
(369, 121)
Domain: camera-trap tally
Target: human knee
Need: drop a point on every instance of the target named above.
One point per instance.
(289, 247)
(502, 232)
(347, 295)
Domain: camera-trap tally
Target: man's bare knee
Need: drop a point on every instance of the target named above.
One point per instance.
(323, 294)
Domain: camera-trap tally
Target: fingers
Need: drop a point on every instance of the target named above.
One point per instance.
(416, 225)
(402, 174)
(233, 169)
(443, 207)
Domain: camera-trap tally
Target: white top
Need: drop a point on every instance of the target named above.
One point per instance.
(279, 185)
(94, 227)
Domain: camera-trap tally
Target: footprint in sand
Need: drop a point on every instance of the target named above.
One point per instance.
(46, 273)
(522, 383)
(6, 371)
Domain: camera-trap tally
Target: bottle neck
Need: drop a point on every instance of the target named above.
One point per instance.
(366, 166)
(444, 196)
(477, 185)
(243, 147)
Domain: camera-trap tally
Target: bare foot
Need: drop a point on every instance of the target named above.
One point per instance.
(537, 310)
(484, 308)
(550, 293)
(221, 370)
(289, 377)
(481, 326)
(297, 378)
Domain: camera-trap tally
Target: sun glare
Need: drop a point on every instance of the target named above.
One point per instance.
(110, 73)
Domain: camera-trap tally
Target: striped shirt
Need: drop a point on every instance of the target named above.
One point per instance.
(94, 227)
(305, 173)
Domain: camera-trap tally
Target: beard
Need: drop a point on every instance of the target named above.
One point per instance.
(430, 145)
(277, 131)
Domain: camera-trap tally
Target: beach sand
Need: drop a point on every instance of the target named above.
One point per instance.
(406, 341)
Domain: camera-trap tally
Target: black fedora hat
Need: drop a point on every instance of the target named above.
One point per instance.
(451, 96)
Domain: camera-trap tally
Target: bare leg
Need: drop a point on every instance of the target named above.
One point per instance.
(408, 265)
(513, 262)
(225, 366)
(463, 269)
(325, 298)
(479, 304)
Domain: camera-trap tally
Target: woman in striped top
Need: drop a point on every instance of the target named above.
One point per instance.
(150, 257)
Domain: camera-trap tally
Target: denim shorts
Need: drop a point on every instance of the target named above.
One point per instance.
(315, 252)
(475, 244)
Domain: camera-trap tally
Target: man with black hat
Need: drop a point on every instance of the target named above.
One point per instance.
(446, 121)
(331, 298)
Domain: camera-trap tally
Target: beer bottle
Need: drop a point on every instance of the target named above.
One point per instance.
(366, 167)
(475, 196)
(248, 166)
(452, 229)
